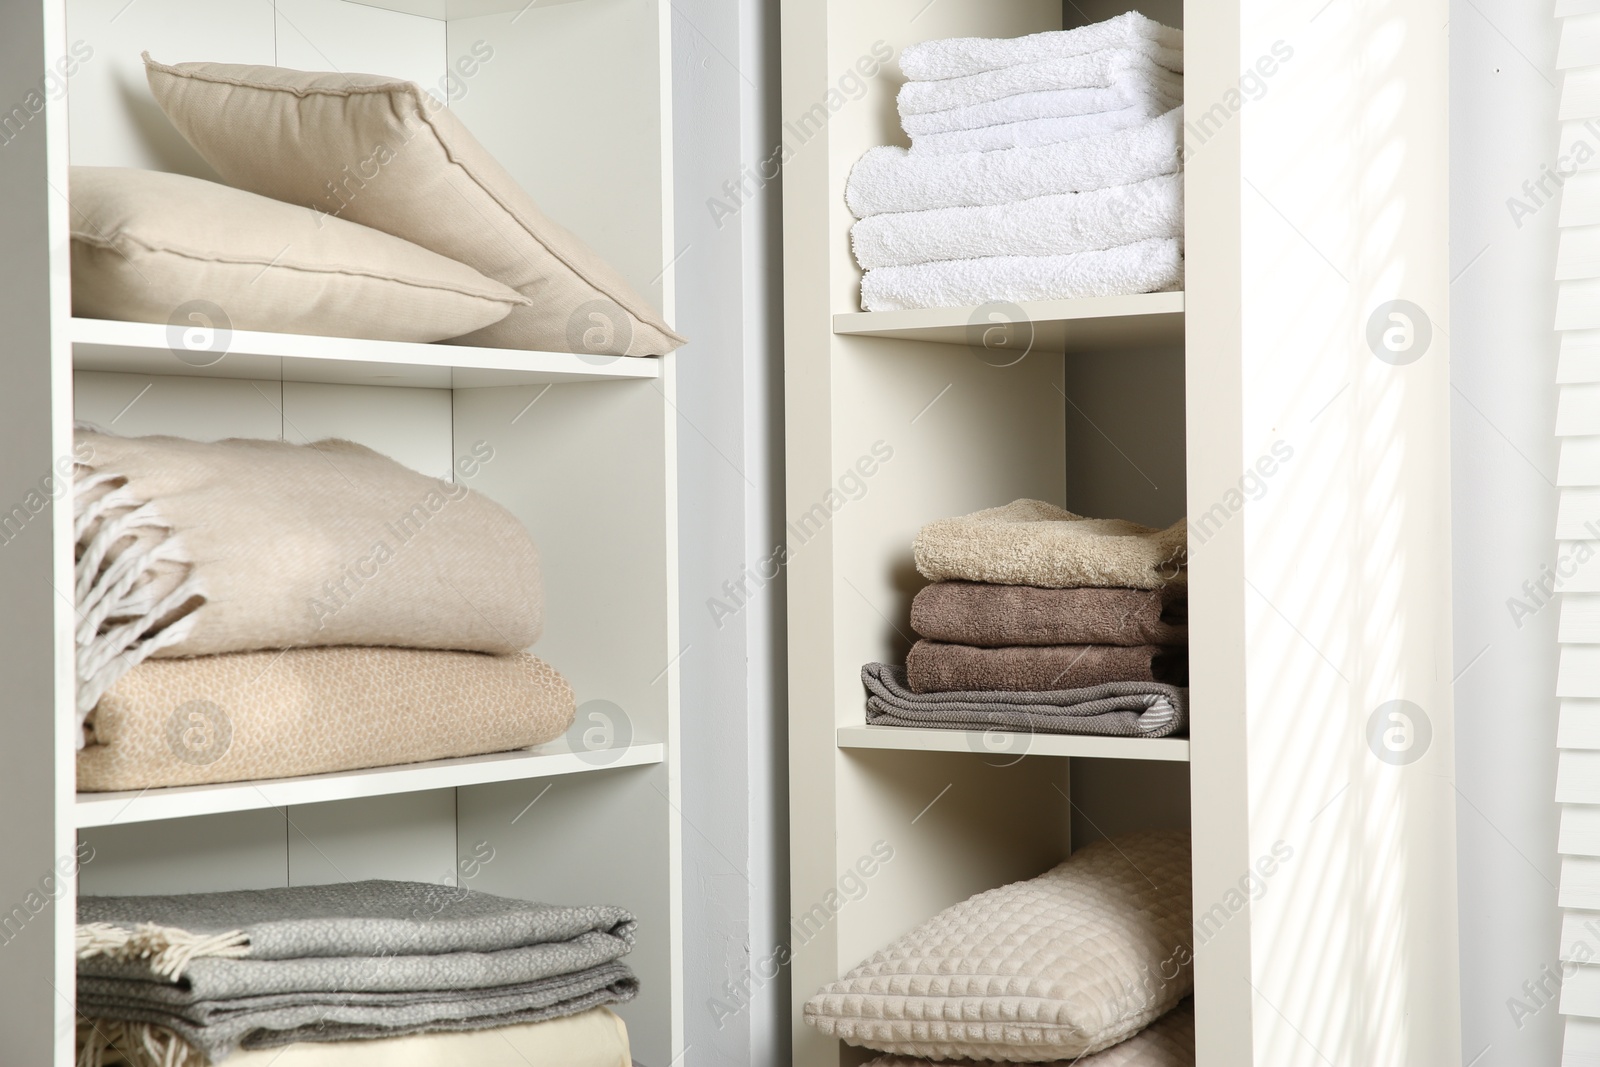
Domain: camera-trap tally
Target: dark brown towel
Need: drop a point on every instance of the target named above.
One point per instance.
(936, 667)
(993, 616)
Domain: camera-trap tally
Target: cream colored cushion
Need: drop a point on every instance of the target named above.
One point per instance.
(385, 154)
(1065, 964)
(145, 243)
(1168, 1042)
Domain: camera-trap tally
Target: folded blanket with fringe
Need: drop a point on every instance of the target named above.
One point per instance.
(895, 179)
(595, 1038)
(1094, 70)
(187, 548)
(1056, 225)
(994, 616)
(1030, 542)
(1117, 709)
(1032, 133)
(956, 57)
(1123, 93)
(251, 715)
(374, 959)
(1167, 1042)
(938, 667)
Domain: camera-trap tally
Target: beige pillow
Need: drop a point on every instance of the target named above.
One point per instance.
(1168, 1042)
(385, 154)
(153, 247)
(1065, 964)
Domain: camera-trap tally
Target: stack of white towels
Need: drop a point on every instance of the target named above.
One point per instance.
(1045, 167)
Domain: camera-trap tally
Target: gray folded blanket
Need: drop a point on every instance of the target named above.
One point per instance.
(261, 968)
(1117, 709)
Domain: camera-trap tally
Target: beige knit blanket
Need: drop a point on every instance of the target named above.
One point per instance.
(1029, 542)
(251, 715)
(187, 548)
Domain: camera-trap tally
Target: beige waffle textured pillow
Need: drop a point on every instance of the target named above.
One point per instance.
(385, 154)
(145, 244)
(1168, 1042)
(1071, 962)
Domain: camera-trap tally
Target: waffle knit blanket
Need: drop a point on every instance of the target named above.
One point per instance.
(262, 968)
(1120, 709)
(1029, 542)
(993, 616)
(188, 548)
(244, 716)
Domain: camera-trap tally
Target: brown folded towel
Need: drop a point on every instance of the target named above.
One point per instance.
(936, 667)
(993, 616)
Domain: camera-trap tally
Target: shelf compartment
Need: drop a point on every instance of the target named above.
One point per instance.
(144, 348)
(1058, 325)
(913, 739)
(178, 802)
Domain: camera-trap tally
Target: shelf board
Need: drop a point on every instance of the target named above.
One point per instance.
(1058, 325)
(459, 9)
(911, 739)
(144, 348)
(178, 802)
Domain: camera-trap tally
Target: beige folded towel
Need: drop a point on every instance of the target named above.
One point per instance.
(1029, 542)
(993, 616)
(251, 715)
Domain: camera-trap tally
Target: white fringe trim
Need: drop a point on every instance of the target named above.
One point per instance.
(167, 949)
(103, 1043)
(126, 552)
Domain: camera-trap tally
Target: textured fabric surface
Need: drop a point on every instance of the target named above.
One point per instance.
(144, 243)
(250, 715)
(1035, 132)
(938, 667)
(1044, 226)
(894, 179)
(188, 548)
(362, 959)
(1029, 542)
(1071, 962)
(956, 57)
(1167, 1042)
(418, 174)
(1145, 61)
(594, 1038)
(1119, 709)
(1142, 267)
(994, 616)
(1123, 93)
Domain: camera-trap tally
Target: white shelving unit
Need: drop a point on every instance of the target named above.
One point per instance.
(583, 453)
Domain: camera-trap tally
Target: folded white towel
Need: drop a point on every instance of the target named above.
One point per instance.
(1142, 267)
(893, 179)
(1044, 226)
(1095, 70)
(1034, 132)
(960, 56)
(1124, 92)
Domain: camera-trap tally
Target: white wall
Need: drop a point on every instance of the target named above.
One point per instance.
(1503, 98)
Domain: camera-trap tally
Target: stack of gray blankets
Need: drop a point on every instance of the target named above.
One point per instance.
(178, 980)
(1045, 167)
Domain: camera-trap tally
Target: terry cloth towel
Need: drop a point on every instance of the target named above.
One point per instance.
(1093, 71)
(1033, 133)
(595, 1038)
(1074, 961)
(1142, 267)
(1029, 542)
(957, 57)
(1117, 709)
(1167, 1042)
(187, 548)
(1128, 92)
(894, 179)
(937, 667)
(251, 715)
(269, 967)
(1061, 224)
(994, 616)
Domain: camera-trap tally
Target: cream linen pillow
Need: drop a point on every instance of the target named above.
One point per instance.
(1071, 962)
(1168, 1042)
(145, 243)
(385, 154)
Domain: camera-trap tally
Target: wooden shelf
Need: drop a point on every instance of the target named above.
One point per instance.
(545, 761)
(910, 739)
(144, 348)
(1057, 325)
